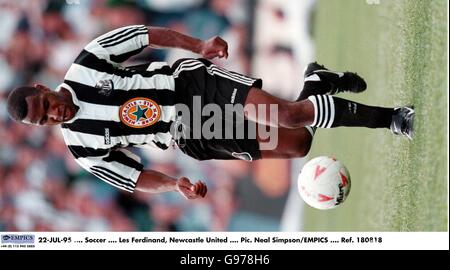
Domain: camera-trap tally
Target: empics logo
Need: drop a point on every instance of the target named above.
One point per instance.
(18, 238)
(139, 112)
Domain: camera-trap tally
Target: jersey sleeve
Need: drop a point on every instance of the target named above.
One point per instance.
(120, 168)
(120, 44)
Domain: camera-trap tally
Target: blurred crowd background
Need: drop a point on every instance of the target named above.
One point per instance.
(41, 186)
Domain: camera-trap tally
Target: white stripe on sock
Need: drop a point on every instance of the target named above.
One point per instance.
(325, 111)
(313, 100)
(331, 120)
(310, 130)
(319, 111)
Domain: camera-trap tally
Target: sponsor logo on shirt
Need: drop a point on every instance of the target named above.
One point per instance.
(105, 87)
(139, 112)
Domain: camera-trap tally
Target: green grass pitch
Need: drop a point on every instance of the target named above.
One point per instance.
(400, 48)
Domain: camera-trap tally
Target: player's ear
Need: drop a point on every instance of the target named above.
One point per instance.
(41, 87)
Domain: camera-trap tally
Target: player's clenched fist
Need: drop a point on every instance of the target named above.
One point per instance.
(191, 191)
(214, 47)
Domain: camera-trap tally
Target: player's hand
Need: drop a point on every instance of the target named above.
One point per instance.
(191, 191)
(214, 47)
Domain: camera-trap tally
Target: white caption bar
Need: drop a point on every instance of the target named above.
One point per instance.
(225, 240)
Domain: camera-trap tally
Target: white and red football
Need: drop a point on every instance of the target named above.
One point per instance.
(324, 183)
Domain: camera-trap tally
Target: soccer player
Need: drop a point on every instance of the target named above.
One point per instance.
(103, 108)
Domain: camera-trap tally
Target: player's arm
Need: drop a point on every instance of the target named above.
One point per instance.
(160, 37)
(116, 46)
(120, 44)
(155, 182)
(124, 170)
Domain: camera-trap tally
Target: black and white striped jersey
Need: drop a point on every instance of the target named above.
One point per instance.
(118, 107)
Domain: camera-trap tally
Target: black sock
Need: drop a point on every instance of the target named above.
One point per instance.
(333, 112)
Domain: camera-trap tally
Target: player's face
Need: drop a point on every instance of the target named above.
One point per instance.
(49, 108)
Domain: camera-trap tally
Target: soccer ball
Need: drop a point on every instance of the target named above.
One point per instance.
(324, 183)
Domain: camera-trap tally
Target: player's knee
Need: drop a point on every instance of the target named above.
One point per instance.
(304, 145)
(288, 117)
(307, 146)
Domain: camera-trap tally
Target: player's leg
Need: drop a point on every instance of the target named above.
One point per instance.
(292, 143)
(266, 109)
(325, 111)
(318, 80)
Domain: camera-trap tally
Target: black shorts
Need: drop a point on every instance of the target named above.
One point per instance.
(212, 85)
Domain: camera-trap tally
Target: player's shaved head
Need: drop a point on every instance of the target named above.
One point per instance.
(17, 105)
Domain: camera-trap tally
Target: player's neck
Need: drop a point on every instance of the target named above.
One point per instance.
(68, 96)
